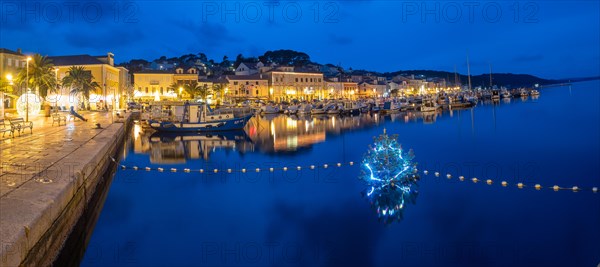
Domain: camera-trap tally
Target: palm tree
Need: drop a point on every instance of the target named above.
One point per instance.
(41, 75)
(195, 89)
(81, 82)
(218, 89)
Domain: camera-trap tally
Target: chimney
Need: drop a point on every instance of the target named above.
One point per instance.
(19, 50)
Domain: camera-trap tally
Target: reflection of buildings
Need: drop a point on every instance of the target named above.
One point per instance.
(291, 133)
(176, 149)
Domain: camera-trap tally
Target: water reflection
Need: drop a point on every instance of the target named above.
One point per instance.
(176, 148)
(279, 133)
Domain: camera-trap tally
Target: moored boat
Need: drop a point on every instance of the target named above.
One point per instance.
(192, 117)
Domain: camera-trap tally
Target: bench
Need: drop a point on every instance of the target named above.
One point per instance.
(56, 117)
(19, 125)
(4, 129)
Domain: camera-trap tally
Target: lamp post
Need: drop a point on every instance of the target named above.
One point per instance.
(27, 91)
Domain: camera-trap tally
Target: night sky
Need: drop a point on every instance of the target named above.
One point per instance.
(550, 39)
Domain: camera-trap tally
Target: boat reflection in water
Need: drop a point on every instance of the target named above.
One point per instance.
(176, 148)
(283, 133)
(276, 133)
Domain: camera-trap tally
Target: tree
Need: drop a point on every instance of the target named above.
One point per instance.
(225, 63)
(81, 82)
(196, 89)
(41, 75)
(218, 89)
(286, 57)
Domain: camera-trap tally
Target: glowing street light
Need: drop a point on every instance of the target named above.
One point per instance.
(27, 90)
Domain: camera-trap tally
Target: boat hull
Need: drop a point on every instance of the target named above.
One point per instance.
(213, 126)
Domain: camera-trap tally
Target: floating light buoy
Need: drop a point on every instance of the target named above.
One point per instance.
(520, 185)
(229, 170)
(148, 169)
(325, 166)
(284, 169)
(449, 176)
(312, 167)
(351, 163)
(135, 168)
(160, 169)
(173, 170)
(425, 172)
(504, 183)
(186, 170)
(257, 169)
(475, 180)
(595, 189)
(271, 169)
(537, 186)
(556, 187)
(299, 168)
(123, 167)
(201, 170)
(339, 164)
(461, 178)
(489, 182)
(244, 170)
(216, 170)
(437, 174)
(575, 188)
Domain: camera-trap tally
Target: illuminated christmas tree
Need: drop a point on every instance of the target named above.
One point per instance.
(391, 177)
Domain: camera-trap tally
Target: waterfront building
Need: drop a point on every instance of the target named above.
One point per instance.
(254, 86)
(287, 84)
(157, 84)
(248, 68)
(10, 64)
(103, 72)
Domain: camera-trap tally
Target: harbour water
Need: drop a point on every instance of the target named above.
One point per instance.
(320, 218)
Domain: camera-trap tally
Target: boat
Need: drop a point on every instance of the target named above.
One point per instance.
(495, 95)
(198, 117)
(429, 106)
(505, 94)
(305, 108)
(318, 110)
(391, 107)
(335, 109)
(534, 92)
(269, 109)
(292, 109)
(351, 108)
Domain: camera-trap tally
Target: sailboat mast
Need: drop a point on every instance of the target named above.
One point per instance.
(468, 70)
(456, 83)
(490, 75)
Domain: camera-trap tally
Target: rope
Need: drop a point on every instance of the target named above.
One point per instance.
(461, 178)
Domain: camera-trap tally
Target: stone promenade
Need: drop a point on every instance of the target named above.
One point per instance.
(46, 179)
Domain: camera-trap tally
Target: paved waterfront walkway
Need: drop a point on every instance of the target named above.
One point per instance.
(28, 156)
(41, 173)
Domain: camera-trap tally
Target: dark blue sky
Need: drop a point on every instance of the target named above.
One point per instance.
(551, 39)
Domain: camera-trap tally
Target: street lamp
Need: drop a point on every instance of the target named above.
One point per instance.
(27, 91)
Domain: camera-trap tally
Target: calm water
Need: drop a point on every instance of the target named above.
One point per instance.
(320, 218)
